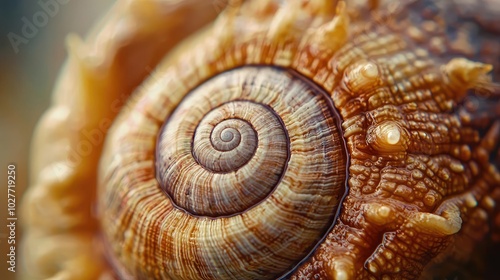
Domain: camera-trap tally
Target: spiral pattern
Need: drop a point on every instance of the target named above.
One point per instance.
(250, 165)
(220, 160)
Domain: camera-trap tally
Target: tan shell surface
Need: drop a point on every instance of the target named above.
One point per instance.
(254, 222)
(419, 117)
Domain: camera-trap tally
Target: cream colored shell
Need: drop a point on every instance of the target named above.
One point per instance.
(254, 218)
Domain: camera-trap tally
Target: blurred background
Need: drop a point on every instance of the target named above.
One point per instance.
(30, 59)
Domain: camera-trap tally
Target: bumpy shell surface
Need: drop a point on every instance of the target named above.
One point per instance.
(297, 139)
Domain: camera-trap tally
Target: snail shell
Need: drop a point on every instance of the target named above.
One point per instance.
(257, 170)
(304, 140)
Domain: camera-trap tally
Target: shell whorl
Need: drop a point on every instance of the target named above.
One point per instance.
(215, 107)
(224, 174)
(252, 164)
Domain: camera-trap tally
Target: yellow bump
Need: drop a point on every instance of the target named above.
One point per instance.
(85, 57)
(488, 202)
(379, 214)
(456, 167)
(444, 174)
(340, 269)
(470, 200)
(332, 35)
(88, 69)
(341, 275)
(388, 136)
(462, 74)
(393, 135)
(417, 174)
(283, 21)
(370, 70)
(224, 22)
(481, 214)
(448, 223)
(384, 211)
(429, 199)
(321, 7)
(372, 267)
(362, 77)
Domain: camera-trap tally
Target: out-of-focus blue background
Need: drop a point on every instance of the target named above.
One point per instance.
(27, 77)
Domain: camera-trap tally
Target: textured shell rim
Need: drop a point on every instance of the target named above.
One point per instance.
(317, 89)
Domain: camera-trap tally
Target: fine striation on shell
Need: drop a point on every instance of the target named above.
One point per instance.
(298, 139)
(267, 208)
